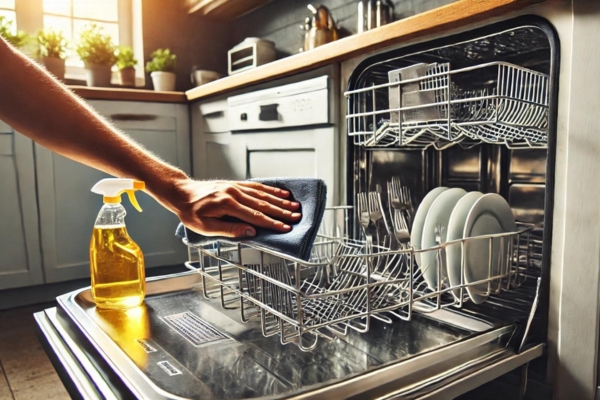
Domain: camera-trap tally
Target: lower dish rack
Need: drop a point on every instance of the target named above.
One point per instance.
(347, 283)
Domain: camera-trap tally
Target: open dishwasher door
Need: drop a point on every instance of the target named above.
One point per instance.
(358, 320)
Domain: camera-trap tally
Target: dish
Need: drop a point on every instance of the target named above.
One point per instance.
(437, 218)
(489, 215)
(456, 229)
(416, 233)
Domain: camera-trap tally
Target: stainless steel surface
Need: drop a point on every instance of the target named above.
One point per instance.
(390, 356)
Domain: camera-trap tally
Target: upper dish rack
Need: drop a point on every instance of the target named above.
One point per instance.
(431, 105)
(346, 283)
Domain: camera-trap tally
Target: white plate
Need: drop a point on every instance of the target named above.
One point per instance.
(456, 228)
(417, 229)
(489, 215)
(438, 216)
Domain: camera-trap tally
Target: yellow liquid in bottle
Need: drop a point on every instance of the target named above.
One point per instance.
(117, 269)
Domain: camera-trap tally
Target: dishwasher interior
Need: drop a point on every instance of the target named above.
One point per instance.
(359, 320)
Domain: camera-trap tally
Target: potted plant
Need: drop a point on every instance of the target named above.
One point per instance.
(19, 39)
(52, 46)
(126, 63)
(161, 68)
(97, 51)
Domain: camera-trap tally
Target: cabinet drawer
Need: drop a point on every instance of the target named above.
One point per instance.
(215, 116)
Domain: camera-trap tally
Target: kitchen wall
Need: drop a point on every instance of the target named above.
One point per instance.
(195, 40)
(280, 20)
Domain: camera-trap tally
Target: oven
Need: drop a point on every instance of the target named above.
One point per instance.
(506, 106)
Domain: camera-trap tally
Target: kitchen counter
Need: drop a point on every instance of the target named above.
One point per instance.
(95, 93)
(454, 15)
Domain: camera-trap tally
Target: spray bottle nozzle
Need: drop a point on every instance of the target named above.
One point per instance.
(112, 189)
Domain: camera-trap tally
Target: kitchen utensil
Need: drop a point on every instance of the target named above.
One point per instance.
(373, 14)
(201, 76)
(416, 234)
(434, 234)
(490, 214)
(456, 228)
(322, 30)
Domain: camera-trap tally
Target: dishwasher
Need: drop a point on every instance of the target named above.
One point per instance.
(359, 320)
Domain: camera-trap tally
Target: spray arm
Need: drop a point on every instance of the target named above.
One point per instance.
(113, 188)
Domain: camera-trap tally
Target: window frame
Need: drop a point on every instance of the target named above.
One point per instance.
(30, 18)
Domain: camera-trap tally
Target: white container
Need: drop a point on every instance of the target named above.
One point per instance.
(249, 54)
(163, 81)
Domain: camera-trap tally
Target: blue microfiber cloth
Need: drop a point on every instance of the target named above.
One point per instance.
(309, 192)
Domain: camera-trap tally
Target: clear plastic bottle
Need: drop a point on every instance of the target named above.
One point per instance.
(116, 261)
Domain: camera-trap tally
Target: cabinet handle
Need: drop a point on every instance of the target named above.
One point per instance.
(214, 114)
(133, 117)
(269, 112)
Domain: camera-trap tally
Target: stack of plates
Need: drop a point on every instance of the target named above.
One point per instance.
(452, 214)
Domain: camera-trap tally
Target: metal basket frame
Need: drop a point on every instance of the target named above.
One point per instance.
(513, 111)
(344, 285)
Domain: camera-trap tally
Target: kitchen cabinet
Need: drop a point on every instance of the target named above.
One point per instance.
(68, 209)
(20, 258)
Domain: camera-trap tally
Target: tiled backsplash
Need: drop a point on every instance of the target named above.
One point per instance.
(280, 20)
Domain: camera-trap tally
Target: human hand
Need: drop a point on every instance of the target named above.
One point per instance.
(201, 205)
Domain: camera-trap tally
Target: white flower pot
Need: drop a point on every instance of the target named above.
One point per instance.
(163, 81)
(56, 66)
(98, 75)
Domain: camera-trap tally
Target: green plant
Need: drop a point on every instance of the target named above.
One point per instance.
(51, 43)
(125, 58)
(162, 60)
(18, 39)
(96, 47)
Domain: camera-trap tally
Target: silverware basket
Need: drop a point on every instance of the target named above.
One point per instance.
(432, 105)
(347, 283)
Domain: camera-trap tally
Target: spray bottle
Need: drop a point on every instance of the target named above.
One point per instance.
(116, 261)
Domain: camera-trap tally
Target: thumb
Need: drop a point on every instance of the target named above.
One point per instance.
(237, 230)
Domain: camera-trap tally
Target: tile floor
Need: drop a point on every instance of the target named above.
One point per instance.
(25, 371)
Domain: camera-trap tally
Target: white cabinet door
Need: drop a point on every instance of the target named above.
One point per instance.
(68, 209)
(20, 259)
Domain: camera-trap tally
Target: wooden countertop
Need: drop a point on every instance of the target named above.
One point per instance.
(451, 16)
(94, 93)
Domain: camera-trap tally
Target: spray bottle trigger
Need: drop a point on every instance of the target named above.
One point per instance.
(133, 200)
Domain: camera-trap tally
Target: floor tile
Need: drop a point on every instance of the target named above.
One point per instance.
(28, 370)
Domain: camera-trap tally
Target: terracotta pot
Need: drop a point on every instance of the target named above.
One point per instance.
(98, 75)
(56, 66)
(163, 81)
(127, 76)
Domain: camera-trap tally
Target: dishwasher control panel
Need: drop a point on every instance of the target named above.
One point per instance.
(298, 104)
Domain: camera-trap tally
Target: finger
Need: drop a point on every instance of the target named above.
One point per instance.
(281, 193)
(268, 209)
(258, 196)
(216, 227)
(257, 218)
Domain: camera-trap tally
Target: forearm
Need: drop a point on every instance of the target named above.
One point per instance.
(66, 125)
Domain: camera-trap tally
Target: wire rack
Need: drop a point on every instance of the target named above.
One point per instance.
(346, 283)
(431, 105)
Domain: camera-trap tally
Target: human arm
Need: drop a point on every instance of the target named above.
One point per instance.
(41, 108)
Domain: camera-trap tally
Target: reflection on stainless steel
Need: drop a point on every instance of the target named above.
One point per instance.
(251, 365)
(528, 166)
(527, 203)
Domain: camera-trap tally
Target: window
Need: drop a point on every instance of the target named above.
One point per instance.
(121, 19)
(71, 17)
(7, 9)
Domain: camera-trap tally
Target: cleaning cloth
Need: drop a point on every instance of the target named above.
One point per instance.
(309, 192)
